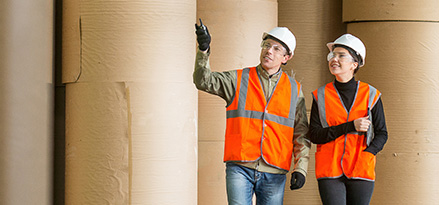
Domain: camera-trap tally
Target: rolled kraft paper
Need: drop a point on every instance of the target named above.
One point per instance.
(379, 10)
(314, 23)
(119, 41)
(134, 60)
(97, 144)
(236, 28)
(26, 101)
(164, 143)
(71, 41)
(403, 68)
(401, 62)
(131, 143)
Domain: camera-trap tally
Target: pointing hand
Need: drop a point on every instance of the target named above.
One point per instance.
(203, 36)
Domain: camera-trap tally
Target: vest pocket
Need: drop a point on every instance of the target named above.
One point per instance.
(365, 166)
(325, 166)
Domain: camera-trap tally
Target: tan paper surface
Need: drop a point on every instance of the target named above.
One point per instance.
(402, 63)
(26, 101)
(314, 24)
(121, 41)
(164, 143)
(236, 28)
(97, 144)
(372, 10)
(131, 104)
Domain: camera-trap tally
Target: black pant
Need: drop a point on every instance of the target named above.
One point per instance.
(342, 190)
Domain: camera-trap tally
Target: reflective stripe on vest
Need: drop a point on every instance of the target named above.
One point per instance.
(257, 128)
(345, 154)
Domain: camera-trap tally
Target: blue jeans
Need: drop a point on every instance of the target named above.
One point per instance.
(243, 182)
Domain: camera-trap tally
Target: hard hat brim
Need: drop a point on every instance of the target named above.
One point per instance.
(330, 45)
(284, 36)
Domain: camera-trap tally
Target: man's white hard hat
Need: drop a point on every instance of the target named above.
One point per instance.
(283, 34)
(352, 42)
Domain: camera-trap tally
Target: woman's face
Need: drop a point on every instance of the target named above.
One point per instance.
(341, 64)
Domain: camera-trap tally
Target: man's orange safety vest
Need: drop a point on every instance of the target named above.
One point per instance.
(257, 128)
(345, 155)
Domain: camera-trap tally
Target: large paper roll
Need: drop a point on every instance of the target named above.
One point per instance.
(236, 28)
(131, 106)
(390, 10)
(26, 101)
(401, 62)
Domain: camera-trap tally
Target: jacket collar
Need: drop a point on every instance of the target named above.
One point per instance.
(263, 73)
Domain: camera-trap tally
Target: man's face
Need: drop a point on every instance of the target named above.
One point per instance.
(273, 54)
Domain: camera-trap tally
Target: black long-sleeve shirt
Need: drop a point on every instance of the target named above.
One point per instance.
(320, 135)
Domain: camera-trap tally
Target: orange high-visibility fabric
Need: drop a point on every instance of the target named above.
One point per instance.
(345, 155)
(250, 136)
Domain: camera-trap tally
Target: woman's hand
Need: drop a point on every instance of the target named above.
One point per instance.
(362, 124)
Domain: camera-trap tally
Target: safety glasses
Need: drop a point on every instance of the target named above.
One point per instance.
(342, 57)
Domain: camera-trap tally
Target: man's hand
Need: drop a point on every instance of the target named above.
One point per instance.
(297, 180)
(203, 36)
(362, 124)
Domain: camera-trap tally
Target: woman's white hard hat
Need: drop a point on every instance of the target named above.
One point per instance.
(283, 34)
(352, 42)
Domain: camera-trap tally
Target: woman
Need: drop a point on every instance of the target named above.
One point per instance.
(348, 125)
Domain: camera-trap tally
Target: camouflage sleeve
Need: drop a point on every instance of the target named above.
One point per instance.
(301, 144)
(216, 83)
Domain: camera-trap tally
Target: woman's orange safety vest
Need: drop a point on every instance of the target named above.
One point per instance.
(345, 155)
(257, 128)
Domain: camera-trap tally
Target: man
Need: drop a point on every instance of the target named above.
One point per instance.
(266, 119)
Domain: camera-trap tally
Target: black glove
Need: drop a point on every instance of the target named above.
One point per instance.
(297, 180)
(203, 36)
